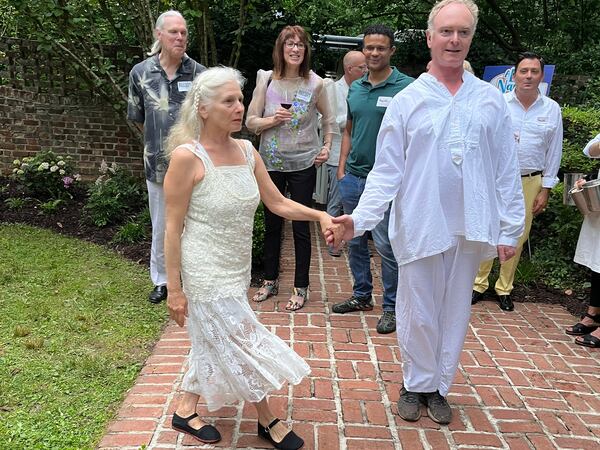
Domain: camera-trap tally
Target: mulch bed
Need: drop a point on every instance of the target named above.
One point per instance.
(67, 220)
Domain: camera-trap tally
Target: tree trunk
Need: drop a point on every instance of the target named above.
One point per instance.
(237, 45)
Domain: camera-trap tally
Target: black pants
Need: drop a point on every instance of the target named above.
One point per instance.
(595, 291)
(300, 185)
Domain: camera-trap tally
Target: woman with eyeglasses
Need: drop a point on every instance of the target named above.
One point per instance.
(284, 112)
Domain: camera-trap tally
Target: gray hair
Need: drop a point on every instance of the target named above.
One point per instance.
(202, 93)
(470, 5)
(156, 46)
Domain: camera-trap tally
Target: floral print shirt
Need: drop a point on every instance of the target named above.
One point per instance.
(154, 101)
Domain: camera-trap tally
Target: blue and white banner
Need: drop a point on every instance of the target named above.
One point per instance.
(503, 78)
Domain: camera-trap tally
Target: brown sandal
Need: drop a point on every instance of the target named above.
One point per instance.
(300, 293)
(268, 289)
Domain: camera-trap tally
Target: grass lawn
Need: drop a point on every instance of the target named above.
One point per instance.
(75, 329)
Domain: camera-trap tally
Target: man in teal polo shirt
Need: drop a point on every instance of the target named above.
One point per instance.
(368, 99)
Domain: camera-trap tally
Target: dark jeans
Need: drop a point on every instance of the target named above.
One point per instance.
(351, 188)
(300, 185)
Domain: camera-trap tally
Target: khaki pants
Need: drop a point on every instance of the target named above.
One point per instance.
(504, 286)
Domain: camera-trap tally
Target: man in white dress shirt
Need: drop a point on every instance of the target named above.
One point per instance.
(446, 158)
(538, 133)
(355, 67)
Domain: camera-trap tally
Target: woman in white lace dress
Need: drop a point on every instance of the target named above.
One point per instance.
(212, 189)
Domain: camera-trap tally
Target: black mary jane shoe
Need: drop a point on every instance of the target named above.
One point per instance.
(291, 441)
(580, 329)
(207, 434)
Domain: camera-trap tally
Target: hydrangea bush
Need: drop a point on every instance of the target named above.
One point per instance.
(114, 197)
(46, 176)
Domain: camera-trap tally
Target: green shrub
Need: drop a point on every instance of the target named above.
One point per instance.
(51, 206)
(114, 197)
(131, 233)
(554, 233)
(580, 126)
(15, 203)
(46, 176)
(258, 236)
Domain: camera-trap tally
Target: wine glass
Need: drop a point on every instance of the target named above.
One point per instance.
(286, 104)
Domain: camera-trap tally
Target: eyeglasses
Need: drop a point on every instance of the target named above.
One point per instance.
(371, 49)
(291, 44)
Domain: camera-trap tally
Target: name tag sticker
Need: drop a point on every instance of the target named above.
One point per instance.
(384, 101)
(184, 86)
(303, 95)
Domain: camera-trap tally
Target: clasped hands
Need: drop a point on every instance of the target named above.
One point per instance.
(337, 230)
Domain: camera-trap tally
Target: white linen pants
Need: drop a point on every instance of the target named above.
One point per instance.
(156, 203)
(433, 316)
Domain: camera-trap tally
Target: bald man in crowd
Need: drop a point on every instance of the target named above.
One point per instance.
(355, 67)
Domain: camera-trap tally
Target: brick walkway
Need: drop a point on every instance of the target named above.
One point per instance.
(522, 383)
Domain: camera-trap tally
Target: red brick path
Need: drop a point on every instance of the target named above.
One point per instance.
(522, 383)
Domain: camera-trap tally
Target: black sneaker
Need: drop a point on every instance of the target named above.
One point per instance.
(354, 303)
(387, 323)
(409, 406)
(438, 408)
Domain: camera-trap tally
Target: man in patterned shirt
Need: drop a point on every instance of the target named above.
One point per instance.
(157, 88)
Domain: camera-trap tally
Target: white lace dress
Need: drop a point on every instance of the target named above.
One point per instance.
(233, 356)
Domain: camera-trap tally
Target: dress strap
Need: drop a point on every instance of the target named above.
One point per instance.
(247, 149)
(197, 149)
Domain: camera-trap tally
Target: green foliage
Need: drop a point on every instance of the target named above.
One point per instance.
(528, 272)
(46, 176)
(553, 239)
(51, 206)
(554, 233)
(258, 235)
(580, 126)
(73, 336)
(131, 233)
(114, 196)
(592, 93)
(15, 203)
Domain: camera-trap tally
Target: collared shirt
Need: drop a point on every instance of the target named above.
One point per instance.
(293, 145)
(449, 165)
(154, 101)
(366, 106)
(341, 116)
(538, 134)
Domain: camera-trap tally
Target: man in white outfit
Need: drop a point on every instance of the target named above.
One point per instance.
(355, 66)
(538, 133)
(446, 158)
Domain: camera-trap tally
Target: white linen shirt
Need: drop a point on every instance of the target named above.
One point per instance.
(538, 134)
(449, 165)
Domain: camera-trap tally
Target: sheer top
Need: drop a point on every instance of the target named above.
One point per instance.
(293, 145)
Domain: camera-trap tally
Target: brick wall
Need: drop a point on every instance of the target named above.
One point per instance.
(84, 128)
